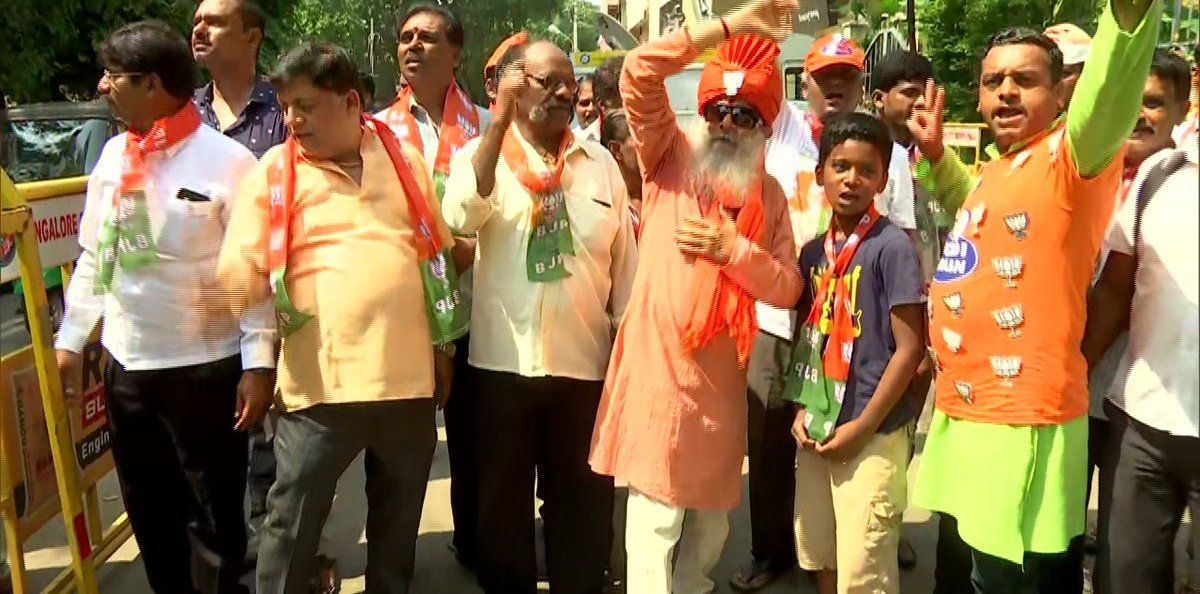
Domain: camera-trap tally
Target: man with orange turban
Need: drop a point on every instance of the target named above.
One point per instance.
(715, 238)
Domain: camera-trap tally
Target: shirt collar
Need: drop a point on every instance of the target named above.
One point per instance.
(577, 145)
(262, 92)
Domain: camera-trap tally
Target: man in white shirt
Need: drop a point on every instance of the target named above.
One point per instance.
(1151, 461)
(158, 203)
(436, 116)
(554, 269)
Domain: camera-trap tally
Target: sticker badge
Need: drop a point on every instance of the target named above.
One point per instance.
(1008, 268)
(1009, 318)
(954, 303)
(733, 80)
(1005, 368)
(978, 212)
(1018, 224)
(959, 260)
(964, 391)
(952, 339)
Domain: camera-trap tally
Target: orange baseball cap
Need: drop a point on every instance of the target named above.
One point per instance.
(832, 50)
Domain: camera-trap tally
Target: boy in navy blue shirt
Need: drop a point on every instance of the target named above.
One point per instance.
(856, 352)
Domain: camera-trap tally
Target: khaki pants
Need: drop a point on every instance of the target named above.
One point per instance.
(652, 529)
(848, 515)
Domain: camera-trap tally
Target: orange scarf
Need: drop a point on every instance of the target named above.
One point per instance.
(460, 123)
(543, 182)
(833, 311)
(164, 134)
(722, 304)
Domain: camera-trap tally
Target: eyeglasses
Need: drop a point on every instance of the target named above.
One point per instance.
(551, 85)
(742, 117)
(115, 75)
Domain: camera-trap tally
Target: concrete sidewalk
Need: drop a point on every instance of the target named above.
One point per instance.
(437, 572)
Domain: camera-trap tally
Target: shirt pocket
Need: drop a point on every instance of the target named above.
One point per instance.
(192, 230)
(594, 215)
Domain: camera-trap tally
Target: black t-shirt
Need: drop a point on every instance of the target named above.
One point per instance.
(891, 276)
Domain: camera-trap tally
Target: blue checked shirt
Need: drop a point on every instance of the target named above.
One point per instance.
(260, 125)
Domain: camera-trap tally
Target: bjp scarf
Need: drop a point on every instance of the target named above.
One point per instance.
(550, 229)
(447, 315)
(125, 236)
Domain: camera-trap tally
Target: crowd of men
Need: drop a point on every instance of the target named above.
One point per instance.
(598, 298)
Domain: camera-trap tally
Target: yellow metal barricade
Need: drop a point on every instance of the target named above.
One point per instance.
(76, 459)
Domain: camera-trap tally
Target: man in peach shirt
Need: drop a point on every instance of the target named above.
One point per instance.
(715, 237)
(340, 225)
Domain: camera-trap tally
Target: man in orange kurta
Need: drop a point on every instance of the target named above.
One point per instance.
(715, 238)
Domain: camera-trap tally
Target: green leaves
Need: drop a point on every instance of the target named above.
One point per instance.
(47, 49)
(953, 34)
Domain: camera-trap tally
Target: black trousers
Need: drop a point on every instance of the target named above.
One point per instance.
(1148, 477)
(182, 470)
(314, 446)
(952, 574)
(461, 442)
(772, 452)
(1041, 573)
(541, 425)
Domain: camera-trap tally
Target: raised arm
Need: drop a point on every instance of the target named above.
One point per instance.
(939, 170)
(1108, 96)
(652, 122)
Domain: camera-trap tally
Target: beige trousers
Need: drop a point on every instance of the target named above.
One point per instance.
(653, 529)
(848, 515)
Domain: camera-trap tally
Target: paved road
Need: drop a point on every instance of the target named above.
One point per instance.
(437, 572)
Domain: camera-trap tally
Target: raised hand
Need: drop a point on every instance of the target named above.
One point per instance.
(513, 82)
(925, 123)
(771, 19)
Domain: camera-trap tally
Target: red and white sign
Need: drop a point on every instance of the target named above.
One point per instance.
(56, 224)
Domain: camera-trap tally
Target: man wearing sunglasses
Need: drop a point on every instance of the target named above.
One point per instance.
(714, 239)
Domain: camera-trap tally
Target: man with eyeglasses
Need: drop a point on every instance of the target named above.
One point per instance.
(715, 238)
(158, 203)
(553, 274)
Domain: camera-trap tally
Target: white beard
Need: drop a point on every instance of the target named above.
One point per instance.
(736, 164)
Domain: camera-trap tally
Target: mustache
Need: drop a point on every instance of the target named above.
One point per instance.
(541, 112)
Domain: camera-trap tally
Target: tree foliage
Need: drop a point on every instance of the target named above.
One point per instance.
(47, 49)
(953, 34)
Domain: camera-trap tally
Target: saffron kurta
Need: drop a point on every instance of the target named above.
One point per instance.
(672, 422)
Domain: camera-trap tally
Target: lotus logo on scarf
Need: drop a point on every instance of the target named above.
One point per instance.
(468, 130)
(438, 267)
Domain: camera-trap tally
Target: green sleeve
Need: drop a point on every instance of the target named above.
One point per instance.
(1109, 92)
(948, 180)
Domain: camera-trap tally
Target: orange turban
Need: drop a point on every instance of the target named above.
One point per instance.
(744, 67)
(515, 40)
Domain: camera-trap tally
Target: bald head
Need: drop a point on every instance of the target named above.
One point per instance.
(548, 102)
